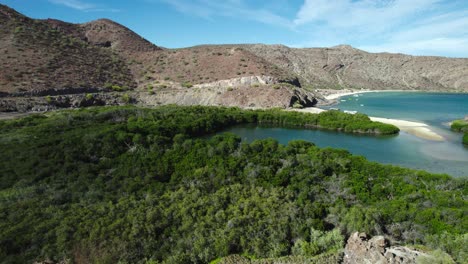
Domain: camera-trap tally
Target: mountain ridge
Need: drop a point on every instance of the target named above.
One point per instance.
(50, 57)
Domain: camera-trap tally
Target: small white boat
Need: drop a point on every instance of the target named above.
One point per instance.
(350, 112)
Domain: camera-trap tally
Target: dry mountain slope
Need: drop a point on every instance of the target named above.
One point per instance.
(206, 64)
(38, 59)
(70, 53)
(50, 57)
(346, 67)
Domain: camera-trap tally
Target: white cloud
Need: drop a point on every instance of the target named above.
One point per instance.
(363, 15)
(83, 6)
(419, 27)
(75, 4)
(209, 9)
(448, 47)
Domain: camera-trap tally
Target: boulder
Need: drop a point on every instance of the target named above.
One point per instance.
(376, 250)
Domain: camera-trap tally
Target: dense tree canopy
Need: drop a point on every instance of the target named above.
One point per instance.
(148, 185)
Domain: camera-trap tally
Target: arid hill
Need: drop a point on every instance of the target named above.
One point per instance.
(52, 57)
(38, 59)
(346, 67)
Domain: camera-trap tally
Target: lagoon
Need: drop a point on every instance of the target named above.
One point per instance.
(434, 109)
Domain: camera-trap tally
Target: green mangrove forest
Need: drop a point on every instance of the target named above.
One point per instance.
(134, 185)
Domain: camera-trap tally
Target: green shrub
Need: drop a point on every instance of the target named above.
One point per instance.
(116, 88)
(459, 126)
(108, 85)
(319, 242)
(435, 257)
(465, 139)
(126, 98)
(187, 85)
(18, 29)
(89, 96)
(297, 105)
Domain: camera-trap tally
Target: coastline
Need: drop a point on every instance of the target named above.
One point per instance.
(417, 129)
(332, 95)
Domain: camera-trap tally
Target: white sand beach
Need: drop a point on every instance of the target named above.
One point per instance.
(339, 94)
(417, 129)
(414, 128)
(335, 94)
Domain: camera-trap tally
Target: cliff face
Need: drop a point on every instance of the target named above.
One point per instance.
(347, 67)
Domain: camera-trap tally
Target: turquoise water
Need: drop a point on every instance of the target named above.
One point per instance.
(405, 150)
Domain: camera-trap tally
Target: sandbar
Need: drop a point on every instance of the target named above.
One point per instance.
(417, 129)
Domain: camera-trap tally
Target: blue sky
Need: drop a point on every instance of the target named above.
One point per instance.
(418, 27)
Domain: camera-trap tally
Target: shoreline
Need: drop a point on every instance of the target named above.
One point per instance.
(332, 95)
(417, 129)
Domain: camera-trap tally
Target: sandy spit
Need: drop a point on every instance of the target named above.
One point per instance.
(417, 129)
(414, 128)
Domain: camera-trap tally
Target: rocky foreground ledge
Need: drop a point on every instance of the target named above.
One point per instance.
(362, 249)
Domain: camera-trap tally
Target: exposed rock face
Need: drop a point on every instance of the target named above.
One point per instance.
(360, 249)
(241, 81)
(47, 103)
(263, 96)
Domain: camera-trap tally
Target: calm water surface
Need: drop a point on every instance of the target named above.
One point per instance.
(405, 150)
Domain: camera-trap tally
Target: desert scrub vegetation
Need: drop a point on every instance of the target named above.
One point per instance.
(115, 87)
(126, 98)
(187, 85)
(58, 59)
(113, 184)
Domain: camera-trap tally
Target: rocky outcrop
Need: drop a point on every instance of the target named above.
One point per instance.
(241, 81)
(261, 96)
(361, 249)
(47, 103)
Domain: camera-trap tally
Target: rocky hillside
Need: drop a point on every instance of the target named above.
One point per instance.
(52, 57)
(206, 64)
(346, 67)
(38, 59)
